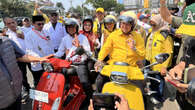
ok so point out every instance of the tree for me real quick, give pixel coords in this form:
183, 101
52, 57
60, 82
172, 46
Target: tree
108, 5
79, 10
15, 8
60, 7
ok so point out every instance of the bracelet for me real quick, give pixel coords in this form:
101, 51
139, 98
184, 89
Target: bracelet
163, 5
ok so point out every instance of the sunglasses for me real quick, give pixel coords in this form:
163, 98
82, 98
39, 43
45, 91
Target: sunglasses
39, 24
54, 15
152, 24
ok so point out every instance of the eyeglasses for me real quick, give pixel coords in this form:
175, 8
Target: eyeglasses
87, 24
26, 21
39, 24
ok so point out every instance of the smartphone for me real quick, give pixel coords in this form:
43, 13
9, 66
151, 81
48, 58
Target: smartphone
173, 83
105, 100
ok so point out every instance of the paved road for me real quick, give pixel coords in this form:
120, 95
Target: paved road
168, 105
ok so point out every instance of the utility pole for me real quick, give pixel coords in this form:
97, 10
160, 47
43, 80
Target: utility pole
71, 3
71, 6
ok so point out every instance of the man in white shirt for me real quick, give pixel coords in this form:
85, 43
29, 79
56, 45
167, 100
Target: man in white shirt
55, 30
26, 25
15, 34
38, 44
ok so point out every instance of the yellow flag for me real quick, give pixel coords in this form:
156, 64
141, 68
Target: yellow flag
146, 3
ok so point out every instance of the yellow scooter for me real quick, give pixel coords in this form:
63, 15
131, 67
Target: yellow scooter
121, 75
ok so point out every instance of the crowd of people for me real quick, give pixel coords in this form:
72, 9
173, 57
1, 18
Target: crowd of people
134, 38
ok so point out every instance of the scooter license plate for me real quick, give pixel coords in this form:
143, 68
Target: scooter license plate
39, 95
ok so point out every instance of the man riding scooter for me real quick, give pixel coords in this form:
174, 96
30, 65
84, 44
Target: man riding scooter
68, 46
123, 45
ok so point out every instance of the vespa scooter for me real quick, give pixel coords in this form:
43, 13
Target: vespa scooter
59, 87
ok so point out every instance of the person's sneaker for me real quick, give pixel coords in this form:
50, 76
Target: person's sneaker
25, 96
25, 99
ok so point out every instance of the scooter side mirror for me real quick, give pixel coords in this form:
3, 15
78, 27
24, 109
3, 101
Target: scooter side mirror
162, 57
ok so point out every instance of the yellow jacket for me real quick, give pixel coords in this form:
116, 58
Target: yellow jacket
106, 33
159, 44
95, 26
116, 46
44, 16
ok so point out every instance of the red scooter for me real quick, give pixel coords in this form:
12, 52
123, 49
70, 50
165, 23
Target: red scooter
59, 87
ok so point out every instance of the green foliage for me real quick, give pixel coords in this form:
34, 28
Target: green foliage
108, 5
59, 5
15, 8
180, 3
80, 10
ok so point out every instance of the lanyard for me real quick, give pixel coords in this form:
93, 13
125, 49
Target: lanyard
42, 37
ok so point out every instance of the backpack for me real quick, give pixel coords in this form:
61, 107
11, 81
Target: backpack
10, 74
189, 51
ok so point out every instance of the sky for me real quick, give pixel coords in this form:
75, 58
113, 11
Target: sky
66, 3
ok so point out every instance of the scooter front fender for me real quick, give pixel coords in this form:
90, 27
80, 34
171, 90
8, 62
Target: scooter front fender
131, 92
53, 84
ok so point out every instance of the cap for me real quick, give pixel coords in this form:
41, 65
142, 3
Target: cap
100, 10
188, 25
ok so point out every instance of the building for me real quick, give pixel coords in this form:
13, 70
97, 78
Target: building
138, 4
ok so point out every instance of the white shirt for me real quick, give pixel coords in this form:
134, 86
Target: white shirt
13, 36
55, 35
25, 30
38, 47
144, 25
66, 44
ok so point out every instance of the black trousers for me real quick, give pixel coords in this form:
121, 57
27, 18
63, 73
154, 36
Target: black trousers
100, 81
23, 69
92, 74
37, 75
15, 106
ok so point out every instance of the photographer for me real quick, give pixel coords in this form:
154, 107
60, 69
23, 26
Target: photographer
122, 105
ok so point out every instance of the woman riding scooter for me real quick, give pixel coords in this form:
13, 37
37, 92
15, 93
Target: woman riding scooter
69, 44
93, 41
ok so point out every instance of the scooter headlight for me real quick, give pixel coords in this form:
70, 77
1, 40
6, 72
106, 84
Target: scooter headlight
56, 104
119, 77
48, 67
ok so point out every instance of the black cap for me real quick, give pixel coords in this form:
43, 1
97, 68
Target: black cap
37, 18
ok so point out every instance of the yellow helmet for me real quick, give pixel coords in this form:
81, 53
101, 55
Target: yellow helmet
131, 14
110, 19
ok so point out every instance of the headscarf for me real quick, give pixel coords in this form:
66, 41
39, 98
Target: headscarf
160, 23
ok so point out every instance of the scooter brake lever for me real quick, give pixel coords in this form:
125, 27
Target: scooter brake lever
153, 79
151, 92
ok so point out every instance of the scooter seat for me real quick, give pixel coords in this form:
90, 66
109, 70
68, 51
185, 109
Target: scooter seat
70, 71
